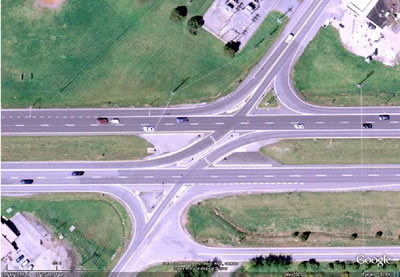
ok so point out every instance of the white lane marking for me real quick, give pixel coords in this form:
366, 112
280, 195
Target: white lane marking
94, 124
294, 122
194, 123
269, 123
49, 116
19, 125
41, 116
96, 177
148, 177
19, 116
320, 175
122, 177
13, 177
44, 125
373, 175
169, 124
394, 122
41, 177
88, 116
144, 124
70, 125
80, 116
64, 116
344, 122
347, 175
177, 176
56, 116
269, 176
242, 176
244, 123
213, 139
219, 123
397, 175
295, 175
121, 125
319, 122
72, 116
70, 177
214, 176
3, 116
206, 160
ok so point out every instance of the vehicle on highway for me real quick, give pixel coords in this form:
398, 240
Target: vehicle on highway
78, 173
102, 120
26, 181
182, 119
25, 263
367, 125
31, 267
384, 117
289, 38
19, 258
114, 121
148, 129
299, 126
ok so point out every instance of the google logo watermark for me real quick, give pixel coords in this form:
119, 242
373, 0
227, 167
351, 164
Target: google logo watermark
378, 261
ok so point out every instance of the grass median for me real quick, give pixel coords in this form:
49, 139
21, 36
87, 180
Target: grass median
334, 151
129, 53
327, 74
99, 242
68, 148
284, 219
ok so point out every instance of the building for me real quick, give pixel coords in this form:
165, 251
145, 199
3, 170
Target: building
9, 233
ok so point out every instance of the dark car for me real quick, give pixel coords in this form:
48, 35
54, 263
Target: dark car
78, 173
182, 119
19, 258
384, 117
102, 120
26, 181
367, 125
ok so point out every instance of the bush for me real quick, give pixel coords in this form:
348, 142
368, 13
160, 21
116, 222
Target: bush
379, 234
195, 23
305, 235
353, 236
179, 13
295, 234
232, 47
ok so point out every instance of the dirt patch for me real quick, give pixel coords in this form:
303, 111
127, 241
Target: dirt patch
50, 4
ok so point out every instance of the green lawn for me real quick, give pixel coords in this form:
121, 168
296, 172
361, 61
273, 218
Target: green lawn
269, 101
270, 219
64, 148
87, 212
335, 151
327, 74
117, 53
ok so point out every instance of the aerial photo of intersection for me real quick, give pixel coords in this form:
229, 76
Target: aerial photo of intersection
200, 137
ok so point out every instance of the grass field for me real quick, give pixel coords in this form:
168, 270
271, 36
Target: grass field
335, 151
326, 74
269, 101
87, 212
124, 53
89, 148
270, 219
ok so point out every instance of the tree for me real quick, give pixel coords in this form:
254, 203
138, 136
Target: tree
179, 13
195, 23
305, 235
232, 47
379, 234
353, 236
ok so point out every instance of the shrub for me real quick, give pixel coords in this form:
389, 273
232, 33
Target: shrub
232, 47
305, 235
379, 234
295, 234
195, 23
353, 236
179, 13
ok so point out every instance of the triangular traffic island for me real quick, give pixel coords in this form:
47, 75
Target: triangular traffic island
269, 101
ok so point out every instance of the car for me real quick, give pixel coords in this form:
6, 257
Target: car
289, 38
341, 25
19, 258
114, 121
326, 23
229, 7
148, 129
102, 120
31, 267
182, 119
78, 173
384, 117
299, 126
25, 263
26, 181
367, 125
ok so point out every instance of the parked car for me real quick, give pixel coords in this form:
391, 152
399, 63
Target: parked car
299, 126
102, 120
367, 125
31, 267
182, 119
289, 38
19, 258
384, 117
114, 121
78, 173
326, 23
26, 181
148, 129
25, 263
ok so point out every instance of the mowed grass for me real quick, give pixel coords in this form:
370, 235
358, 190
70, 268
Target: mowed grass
96, 240
327, 74
270, 219
334, 151
268, 101
124, 53
90, 148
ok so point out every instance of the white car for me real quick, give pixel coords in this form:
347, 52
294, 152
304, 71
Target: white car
289, 38
148, 129
114, 121
299, 126
326, 23
24, 264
